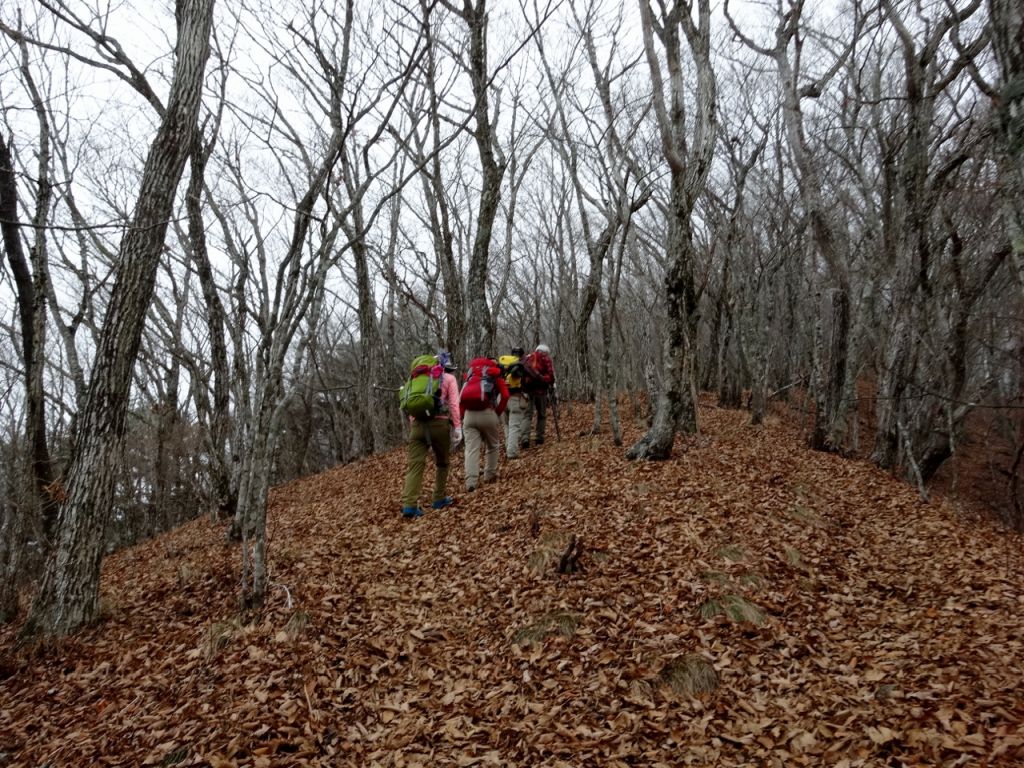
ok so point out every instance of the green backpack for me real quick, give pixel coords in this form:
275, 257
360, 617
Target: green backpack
420, 396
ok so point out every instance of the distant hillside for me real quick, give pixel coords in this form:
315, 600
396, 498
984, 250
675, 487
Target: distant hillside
749, 602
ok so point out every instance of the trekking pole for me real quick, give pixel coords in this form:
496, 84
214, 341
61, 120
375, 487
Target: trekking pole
554, 412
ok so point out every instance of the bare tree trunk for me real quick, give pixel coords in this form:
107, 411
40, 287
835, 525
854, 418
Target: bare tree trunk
891, 386
31, 285
368, 344
366, 310
914, 179
609, 307
1008, 44
480, 329
12, 553
439, 210
167, 467
252, 501
830, 410
387, 421
689, 160
829, 431
727, 359
676, 410
219, 427
69, 594
597, 251
830, 413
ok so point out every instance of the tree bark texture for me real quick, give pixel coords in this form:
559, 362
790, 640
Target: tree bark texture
1008, 43
830, 410
829, 430
480, 329
31, 288
440, 215
914, 184
219, 428
689, 160
69, 594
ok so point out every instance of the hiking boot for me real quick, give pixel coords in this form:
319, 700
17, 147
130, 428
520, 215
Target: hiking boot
447, 501
411, 512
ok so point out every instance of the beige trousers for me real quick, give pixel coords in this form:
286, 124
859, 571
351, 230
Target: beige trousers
518, 424
480, 429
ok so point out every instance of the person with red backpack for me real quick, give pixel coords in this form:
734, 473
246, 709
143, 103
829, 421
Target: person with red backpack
482, 400
437, 428
540, 378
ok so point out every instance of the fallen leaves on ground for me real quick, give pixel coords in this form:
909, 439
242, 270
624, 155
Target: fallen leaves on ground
748, 602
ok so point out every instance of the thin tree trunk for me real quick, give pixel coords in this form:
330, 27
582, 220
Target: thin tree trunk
219, 427
439, 211
31, 287
480, 323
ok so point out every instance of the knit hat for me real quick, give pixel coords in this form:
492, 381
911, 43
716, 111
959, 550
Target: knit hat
543, 348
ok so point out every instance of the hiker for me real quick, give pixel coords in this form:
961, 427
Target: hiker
540, 378
518, 429
482, 400
431, 400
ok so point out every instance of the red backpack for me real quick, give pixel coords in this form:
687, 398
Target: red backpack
479, 390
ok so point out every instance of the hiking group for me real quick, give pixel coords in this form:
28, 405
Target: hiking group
440, 413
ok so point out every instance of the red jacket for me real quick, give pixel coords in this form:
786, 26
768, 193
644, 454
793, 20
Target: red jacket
501, 401
540, 369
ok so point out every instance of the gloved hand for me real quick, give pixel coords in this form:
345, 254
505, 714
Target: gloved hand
456, 437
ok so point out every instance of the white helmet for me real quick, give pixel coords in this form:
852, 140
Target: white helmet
543, 348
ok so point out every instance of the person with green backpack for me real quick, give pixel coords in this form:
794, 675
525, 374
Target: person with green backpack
430, 398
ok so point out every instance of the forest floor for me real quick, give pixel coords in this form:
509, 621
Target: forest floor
748, 602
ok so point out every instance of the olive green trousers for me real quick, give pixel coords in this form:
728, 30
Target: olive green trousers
434, 435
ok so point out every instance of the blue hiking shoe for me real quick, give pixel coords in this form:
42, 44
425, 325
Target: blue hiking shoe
447, 501
412, 512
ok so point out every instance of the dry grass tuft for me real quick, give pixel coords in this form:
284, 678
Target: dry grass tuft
690, 675
794, 558
550, 547
109, 608
717, 578
218, 636
752, 579
296, 625
186, 575
805, 514
176, 756
732, 553
557, 623
736, 608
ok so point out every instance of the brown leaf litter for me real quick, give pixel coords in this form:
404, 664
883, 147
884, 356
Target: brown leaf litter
748, 602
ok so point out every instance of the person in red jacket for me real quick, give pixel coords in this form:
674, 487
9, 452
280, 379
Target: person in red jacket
482, 401
540, 372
